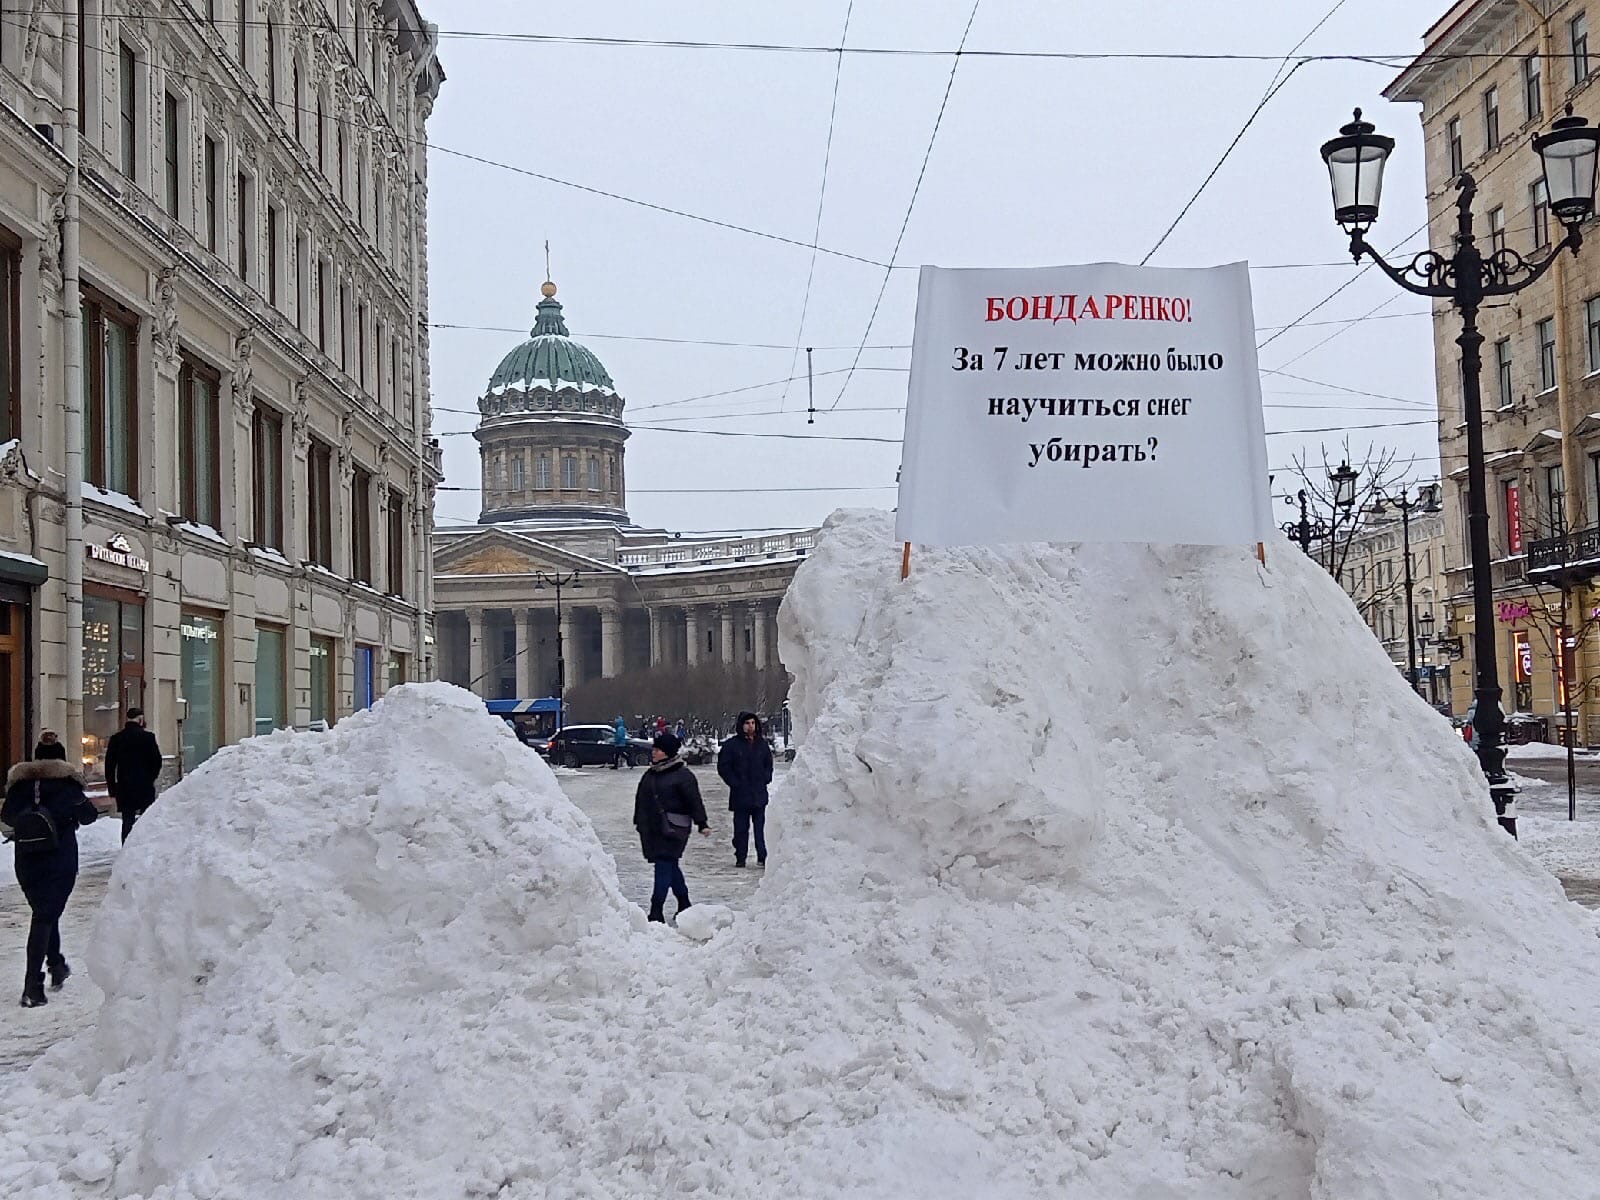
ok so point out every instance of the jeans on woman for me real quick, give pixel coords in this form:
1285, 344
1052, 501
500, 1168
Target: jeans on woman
669, 877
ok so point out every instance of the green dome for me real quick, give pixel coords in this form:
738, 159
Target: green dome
550, 359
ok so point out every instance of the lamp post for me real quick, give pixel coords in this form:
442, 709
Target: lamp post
1424, 640
1355, 161
1427, 501
556, 580
1305, 529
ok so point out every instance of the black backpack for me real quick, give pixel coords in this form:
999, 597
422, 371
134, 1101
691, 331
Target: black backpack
34, 829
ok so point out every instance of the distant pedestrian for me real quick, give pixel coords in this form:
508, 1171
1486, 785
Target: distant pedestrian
661, 726
50, 746
665, 807
619, 745
133, 764
680, 730
44, 805
745, 765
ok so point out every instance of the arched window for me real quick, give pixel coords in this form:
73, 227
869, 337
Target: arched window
541, 473
594, 474
569, 472
519, 479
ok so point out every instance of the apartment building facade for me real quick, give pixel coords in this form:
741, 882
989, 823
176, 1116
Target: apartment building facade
216, 462
1492, 74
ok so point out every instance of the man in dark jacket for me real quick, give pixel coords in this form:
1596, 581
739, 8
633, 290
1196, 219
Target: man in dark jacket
133, 764
45, 872
668, 787
745, 765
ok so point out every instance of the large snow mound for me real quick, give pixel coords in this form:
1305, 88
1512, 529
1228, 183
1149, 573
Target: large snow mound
1103, 871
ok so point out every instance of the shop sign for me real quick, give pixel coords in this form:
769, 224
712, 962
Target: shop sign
1511, 610
203, 633
118, 551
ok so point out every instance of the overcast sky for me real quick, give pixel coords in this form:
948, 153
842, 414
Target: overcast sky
1037, 162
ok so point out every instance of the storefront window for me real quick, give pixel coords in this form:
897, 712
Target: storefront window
322, 680
201, 641
272, 698
396, 670
365, 656
113, 671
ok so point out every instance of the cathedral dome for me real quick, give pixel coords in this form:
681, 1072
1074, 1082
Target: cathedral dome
550, 359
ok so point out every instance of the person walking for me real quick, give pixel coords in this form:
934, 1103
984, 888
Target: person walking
665, 806
745, 765
44, 805
133, 764
619, 744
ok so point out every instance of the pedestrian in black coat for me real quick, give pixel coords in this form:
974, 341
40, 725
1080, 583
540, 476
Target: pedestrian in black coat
46, 876
745, 765
668, 787
133, 764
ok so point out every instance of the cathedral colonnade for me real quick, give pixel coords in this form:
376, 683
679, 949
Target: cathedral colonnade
509, 650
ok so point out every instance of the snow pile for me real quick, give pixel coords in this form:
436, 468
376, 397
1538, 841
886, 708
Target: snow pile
1103, 871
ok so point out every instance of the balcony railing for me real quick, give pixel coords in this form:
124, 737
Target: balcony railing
1571, 558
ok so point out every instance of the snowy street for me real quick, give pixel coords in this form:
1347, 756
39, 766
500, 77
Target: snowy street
605, 796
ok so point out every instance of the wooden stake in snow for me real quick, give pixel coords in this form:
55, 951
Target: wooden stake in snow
905, 561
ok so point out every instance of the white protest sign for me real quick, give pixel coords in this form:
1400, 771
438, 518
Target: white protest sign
1100, 403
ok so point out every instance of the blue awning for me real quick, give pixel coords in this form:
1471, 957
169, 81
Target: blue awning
506, 708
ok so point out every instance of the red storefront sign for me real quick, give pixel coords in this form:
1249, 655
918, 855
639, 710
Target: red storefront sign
1513, 517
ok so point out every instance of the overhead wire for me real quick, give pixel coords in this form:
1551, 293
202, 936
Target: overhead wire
916, 190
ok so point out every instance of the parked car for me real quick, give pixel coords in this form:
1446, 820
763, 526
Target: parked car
591, 746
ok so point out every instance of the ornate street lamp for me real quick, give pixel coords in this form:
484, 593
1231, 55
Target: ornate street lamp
1425, 623
1355, 160
1307, 528
1427, 502
557, 580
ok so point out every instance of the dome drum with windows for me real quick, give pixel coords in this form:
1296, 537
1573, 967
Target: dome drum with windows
551, 435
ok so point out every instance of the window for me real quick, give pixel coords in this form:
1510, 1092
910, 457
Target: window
340, 164
241, 218
127, 110
10, 338
1591, 321
266, 446
1578, 32
110, 415
519, 475
397, 543
1539, 203
344, 326
594, 474
272, 255
361, 344
272, 63
212, 182
199, 452
361, 525
1502, 372
113, 665
1491, 119
322, 678
1545, 330
200, 644
396, 669
83, 67
379, 340
319, 505
322, 305
1555, 498
240, 16
1532, 95
272, 697
1497, 229
322, 149
1452, 137
173, 158
569, 472
365, 663
299, 115
541, 473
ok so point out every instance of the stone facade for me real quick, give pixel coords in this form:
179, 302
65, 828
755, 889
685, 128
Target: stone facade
1373, 575
258, 468
1491, 76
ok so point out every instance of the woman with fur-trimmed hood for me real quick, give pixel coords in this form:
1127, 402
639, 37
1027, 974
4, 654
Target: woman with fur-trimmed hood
46, 855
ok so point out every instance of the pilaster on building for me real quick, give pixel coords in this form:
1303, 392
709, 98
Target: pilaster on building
1491, 75
259, 465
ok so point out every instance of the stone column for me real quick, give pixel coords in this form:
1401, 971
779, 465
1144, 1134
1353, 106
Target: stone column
520, 617
610, 641
475, 666
569, 646
691, 629
656, 647
727, 635
758, 616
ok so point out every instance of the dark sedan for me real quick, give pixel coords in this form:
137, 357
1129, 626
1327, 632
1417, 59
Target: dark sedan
592, 746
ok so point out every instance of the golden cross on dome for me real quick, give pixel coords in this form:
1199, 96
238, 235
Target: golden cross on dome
549, 288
